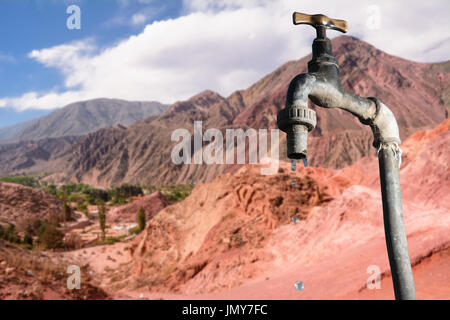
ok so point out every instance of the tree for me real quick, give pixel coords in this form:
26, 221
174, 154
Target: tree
102, 217
67, 210
82, 207
50, 237
141, 219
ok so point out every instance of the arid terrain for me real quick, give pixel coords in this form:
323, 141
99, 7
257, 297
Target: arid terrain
226, 231
418, 94
247, 245
235, 237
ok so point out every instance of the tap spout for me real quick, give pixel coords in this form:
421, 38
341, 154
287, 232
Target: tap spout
322, 85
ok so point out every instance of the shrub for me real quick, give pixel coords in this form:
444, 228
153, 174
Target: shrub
67, 211
9, 233
141, 219
111, 240
134, 230
28, 239
82, 207
77, 197
50, 189
175, 193
50, 237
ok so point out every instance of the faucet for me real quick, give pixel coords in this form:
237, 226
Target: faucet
322, 85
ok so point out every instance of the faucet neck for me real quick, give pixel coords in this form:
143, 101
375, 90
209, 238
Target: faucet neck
322, 53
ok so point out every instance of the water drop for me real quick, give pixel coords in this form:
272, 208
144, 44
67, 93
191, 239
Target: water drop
293, 164
305, 162
294, 219
294, 183
299, 285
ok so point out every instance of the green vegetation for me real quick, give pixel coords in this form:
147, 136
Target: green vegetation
28, 239
49, 237
80, 193
141, 219
119, 195
47, 234
51, 189
9, 233
23, 180
67, 211
111, 240
82, 207
102, 218
176, 192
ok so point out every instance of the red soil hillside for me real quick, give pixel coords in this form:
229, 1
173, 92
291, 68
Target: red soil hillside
417, 93
153, 203
18, 202
29, 275
234, 238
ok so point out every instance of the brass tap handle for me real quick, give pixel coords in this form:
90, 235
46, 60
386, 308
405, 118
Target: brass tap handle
320, 21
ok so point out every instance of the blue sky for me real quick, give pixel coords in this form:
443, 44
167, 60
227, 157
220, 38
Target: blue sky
170, 50
32, 24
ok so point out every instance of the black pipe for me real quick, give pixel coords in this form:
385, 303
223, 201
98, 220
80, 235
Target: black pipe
396, 243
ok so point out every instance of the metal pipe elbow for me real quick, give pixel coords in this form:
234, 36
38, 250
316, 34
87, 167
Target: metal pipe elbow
327, 92
384, 125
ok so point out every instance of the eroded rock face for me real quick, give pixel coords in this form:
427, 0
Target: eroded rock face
225, 224
152, 203
338, 141
234, 237
416, 92
18, 203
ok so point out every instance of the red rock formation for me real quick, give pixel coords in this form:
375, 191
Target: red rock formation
152, 204
233, 237
416, 92
19, 203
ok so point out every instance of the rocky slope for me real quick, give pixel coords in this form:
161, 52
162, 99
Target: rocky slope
412, 90
28, 275
18, 203
235, 238
418, 94
10, 131
83, 117
153, 203
42, 156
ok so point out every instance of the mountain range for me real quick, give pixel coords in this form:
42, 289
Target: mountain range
417, 93
81, 118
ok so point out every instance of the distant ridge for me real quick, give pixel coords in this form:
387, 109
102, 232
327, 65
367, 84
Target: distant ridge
12, 130
84, 117
417, 93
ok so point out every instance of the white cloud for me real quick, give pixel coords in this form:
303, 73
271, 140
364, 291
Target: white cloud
138, 18
228, 45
